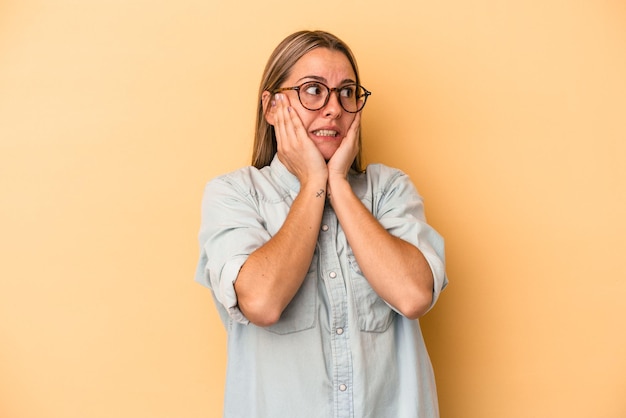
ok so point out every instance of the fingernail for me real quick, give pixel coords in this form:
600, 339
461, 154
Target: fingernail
289, 109
273, 103
279, 96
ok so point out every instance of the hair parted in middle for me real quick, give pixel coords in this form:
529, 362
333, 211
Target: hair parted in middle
277, 70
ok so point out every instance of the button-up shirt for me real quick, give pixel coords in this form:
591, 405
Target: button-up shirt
338, 349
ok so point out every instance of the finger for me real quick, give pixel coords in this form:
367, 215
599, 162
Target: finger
353, 131
344, 156
296, 124
286, 113
280, 128
285, 124
351, 139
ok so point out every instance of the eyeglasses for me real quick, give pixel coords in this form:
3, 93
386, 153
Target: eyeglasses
314, 95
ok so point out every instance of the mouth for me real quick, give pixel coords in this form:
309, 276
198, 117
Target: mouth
326, 133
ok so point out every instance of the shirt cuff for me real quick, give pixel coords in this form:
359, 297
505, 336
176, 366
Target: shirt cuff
227, 295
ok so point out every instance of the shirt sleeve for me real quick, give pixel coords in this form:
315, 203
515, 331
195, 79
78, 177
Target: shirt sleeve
400, 210
231, 229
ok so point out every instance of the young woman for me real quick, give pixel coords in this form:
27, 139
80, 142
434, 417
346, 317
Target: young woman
320, 269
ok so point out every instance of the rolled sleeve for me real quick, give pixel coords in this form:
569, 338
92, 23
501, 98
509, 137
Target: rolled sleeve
400, 210
224, 288
231, 229
431, 244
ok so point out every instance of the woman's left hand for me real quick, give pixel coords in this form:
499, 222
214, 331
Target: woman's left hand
341, 161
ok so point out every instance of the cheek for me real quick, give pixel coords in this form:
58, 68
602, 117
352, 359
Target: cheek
348, 118
306, 116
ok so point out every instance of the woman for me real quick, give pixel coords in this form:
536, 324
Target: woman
319, 269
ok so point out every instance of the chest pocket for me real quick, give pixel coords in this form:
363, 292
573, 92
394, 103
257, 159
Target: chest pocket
374, 315
299, 315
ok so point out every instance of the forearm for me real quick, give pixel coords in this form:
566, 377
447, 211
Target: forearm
397, 270
273, 273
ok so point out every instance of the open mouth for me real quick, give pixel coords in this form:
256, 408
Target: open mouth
326, 133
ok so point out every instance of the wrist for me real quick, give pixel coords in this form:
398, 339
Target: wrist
314, 187
337, 180
315, 180
338, 186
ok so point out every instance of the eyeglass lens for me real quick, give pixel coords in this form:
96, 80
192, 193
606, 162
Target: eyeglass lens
314, 96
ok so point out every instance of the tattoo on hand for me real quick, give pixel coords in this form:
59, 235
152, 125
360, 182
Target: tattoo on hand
320, 193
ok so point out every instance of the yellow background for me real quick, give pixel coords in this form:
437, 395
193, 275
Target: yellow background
510, 116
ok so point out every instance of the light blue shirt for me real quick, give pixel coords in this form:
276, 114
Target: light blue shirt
338, 349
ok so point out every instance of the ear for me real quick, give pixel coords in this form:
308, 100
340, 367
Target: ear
268, 109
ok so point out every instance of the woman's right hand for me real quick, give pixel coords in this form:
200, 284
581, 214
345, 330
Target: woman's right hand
295, 149
274, 272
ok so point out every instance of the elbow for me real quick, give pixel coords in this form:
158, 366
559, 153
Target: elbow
417, 305
263, 319
258, 307
259, 313
417, 293
419, 299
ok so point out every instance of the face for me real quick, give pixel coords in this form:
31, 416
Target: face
328, 126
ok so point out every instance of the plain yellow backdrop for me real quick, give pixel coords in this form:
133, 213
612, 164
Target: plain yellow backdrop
509, 116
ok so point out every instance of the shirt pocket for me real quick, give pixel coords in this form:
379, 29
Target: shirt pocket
299, 315
374, 314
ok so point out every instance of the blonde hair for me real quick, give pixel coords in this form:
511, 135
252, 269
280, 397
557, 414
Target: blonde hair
277, 70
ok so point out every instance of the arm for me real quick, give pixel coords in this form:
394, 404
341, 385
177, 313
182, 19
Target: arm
397, 270
272, 274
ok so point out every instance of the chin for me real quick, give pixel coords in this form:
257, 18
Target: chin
328, 151
328, 155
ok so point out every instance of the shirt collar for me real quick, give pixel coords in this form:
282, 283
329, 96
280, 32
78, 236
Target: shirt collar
284, 176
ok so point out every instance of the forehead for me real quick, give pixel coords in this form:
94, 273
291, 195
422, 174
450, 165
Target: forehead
331, 65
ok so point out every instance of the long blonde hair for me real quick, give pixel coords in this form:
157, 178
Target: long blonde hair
277, 70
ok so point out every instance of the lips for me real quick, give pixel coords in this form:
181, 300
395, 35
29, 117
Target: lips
325, 132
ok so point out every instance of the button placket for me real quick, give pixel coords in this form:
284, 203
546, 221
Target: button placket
333, 280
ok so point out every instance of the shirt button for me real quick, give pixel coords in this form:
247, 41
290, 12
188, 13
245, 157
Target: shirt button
332, 274
339, 331
324, 228
342, 387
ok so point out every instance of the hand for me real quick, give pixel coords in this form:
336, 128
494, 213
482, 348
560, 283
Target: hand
295, 149
341, 161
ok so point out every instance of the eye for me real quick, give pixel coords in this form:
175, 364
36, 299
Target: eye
313, 89
348, 92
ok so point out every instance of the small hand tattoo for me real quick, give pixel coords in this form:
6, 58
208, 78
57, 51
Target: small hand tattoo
320, 193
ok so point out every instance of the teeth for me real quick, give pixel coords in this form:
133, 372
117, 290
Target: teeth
325, 132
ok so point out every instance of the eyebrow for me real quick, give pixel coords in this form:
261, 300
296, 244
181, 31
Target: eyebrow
323, 80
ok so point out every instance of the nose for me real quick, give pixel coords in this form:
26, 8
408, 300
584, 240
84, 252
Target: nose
333, 108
